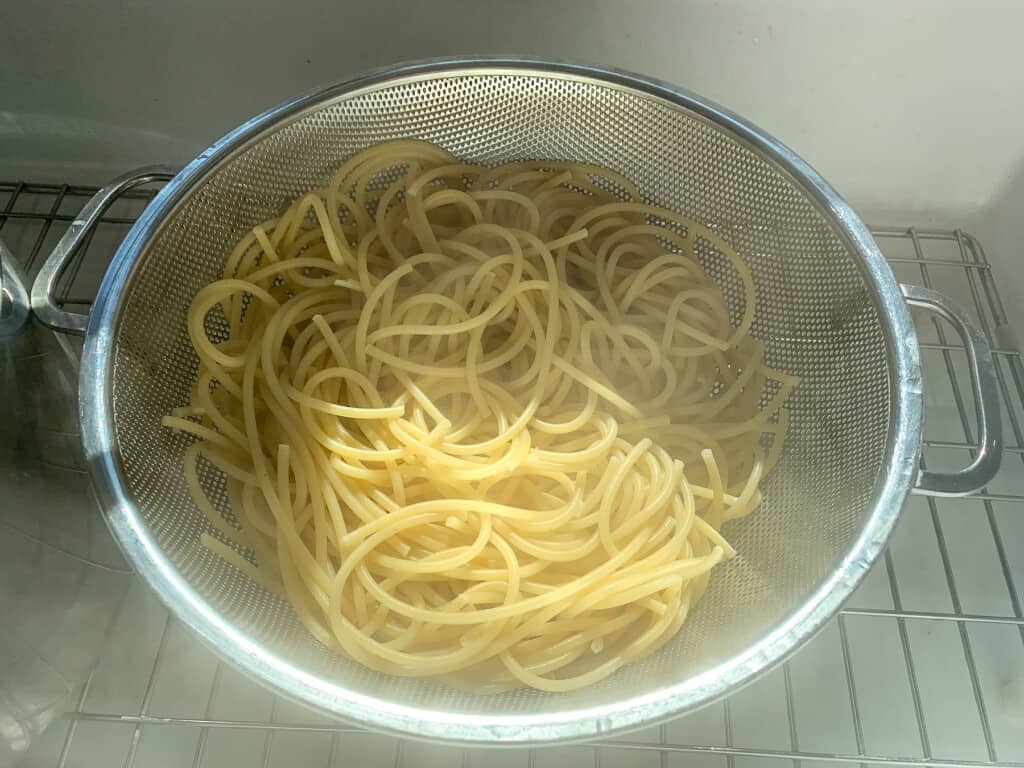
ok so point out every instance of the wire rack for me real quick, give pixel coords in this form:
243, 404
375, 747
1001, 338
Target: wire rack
924, 666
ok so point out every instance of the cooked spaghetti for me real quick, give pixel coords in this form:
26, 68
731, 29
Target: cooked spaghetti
482, 423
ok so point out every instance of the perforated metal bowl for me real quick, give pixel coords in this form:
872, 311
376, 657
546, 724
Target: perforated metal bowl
829, 311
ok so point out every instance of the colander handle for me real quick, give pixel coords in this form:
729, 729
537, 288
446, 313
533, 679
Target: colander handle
989, 448
44, 303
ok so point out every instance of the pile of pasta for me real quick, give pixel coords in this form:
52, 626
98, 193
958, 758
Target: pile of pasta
482, 423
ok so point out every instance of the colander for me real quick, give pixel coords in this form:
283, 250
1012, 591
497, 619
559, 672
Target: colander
828, 310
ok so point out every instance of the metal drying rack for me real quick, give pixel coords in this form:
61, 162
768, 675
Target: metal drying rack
925, 666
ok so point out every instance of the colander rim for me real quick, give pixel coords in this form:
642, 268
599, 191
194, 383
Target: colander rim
127, 524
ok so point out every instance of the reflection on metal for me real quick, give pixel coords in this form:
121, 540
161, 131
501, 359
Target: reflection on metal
61, 577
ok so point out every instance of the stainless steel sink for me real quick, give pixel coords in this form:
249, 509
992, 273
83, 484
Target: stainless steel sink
925, 666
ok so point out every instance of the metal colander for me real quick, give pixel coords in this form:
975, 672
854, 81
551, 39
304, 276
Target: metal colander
828, 311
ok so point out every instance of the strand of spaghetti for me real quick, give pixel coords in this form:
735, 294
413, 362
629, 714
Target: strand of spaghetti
231, 556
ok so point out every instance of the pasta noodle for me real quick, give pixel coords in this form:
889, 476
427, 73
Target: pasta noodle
483, 423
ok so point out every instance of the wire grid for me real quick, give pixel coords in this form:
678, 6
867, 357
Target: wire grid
924, 666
